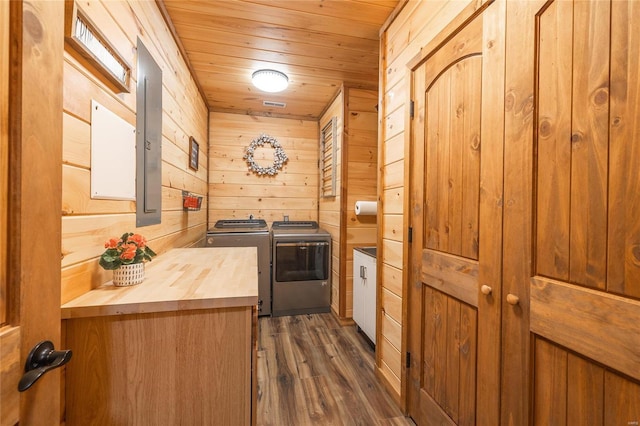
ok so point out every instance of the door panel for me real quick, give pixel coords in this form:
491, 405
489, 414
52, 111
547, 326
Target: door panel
453, 159
573, 142
572, 390
573, 156
449, 356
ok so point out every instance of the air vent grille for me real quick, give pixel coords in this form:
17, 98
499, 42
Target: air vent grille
274, 104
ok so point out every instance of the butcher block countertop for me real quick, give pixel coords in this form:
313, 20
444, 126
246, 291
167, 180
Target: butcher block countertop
179, 280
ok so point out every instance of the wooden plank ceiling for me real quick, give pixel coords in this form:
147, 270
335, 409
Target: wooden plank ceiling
319, 44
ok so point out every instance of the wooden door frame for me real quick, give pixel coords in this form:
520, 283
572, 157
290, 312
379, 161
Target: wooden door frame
35, 192
491, 204
519, 124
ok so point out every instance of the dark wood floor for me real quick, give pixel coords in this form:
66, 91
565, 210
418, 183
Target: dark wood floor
312, 371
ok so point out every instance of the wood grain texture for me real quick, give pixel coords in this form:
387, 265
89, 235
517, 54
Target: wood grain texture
599, 326
359, 180
236, 192
111, 380
449, 376
585, 399
10, 373
356, 167
393, 178
443, 285
519, 124
87, 222
84, 235
35, 181
576, 185
589, 144
621, 401
553, 210
391, 330
550, 385
415, 26
452, 369
181, 279
453, 146
313, 371
458, 172
491, 213
570, 389
390, 353
623, 266
419, 29
320, 45
432, 413
455, 276
391, 305
329, 214
4, 157
84, 277
393, 149
467, 341
432, 207
416, 378
468, 113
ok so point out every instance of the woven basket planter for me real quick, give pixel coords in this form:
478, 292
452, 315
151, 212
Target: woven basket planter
127, 275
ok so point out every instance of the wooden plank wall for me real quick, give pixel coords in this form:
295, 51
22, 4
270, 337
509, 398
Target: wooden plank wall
414, 27
237, 192
361, 142
87, 223
329, 208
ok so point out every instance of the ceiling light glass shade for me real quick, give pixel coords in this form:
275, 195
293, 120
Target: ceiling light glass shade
271, 81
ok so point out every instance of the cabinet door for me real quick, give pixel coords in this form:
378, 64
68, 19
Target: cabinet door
358, 288
369, 283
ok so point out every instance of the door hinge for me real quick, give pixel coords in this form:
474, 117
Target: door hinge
408, 360
410, 235
411, 107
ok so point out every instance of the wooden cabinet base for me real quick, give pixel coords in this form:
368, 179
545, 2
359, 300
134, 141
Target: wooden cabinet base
188, 367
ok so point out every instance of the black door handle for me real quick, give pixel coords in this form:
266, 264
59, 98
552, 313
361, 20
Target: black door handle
41, 359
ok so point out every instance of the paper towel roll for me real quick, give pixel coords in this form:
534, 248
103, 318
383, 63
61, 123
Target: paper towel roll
366, 208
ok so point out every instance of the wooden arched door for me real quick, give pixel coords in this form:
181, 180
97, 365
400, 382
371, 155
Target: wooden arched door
453, 326
572, 212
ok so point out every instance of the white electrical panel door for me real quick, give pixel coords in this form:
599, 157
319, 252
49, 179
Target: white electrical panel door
113, 155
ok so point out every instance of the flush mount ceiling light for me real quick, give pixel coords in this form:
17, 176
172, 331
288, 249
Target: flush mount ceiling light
271, 81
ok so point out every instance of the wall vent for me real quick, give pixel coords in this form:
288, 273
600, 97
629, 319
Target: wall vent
274, 104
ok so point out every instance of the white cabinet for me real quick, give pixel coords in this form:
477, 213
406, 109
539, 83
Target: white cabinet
364, 293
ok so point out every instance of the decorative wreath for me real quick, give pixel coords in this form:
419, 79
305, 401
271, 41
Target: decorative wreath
279, 156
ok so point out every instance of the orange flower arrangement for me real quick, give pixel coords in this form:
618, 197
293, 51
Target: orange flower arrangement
130, 248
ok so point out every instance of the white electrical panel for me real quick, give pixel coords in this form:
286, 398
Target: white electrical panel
113, 155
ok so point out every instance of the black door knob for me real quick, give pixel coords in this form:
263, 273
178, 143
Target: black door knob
41, 359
